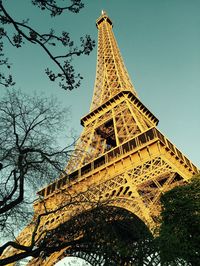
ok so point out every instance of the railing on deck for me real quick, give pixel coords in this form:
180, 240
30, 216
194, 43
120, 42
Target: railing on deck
135, 143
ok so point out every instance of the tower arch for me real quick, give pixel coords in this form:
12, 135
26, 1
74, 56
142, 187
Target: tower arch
105, 231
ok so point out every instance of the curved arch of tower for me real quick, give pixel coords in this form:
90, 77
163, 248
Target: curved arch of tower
99, 229
121, 160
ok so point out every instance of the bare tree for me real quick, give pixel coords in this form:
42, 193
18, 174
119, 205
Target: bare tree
30, 155
17, 33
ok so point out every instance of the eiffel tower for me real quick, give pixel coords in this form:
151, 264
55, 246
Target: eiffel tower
121, 155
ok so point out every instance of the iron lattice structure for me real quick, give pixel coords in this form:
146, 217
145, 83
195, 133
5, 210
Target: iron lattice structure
121, 158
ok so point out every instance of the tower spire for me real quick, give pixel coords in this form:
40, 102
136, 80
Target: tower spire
111, 74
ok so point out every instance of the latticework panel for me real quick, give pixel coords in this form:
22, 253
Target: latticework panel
137, 190
130, 184
111, 74
108, 130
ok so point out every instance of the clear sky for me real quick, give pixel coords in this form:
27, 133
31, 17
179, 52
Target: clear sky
160, 43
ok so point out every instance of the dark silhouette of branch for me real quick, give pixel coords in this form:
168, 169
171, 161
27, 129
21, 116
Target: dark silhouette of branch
5, 81
28, 150
66, 75
57, 10
35, 249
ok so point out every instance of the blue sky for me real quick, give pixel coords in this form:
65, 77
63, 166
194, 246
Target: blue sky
159, 41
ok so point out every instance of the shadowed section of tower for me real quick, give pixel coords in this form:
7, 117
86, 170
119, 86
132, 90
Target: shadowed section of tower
111, 73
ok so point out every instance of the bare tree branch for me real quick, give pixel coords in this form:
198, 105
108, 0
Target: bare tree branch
24, 32
29, 153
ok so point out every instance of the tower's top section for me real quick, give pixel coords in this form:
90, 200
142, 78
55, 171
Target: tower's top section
111, 74
103, 17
